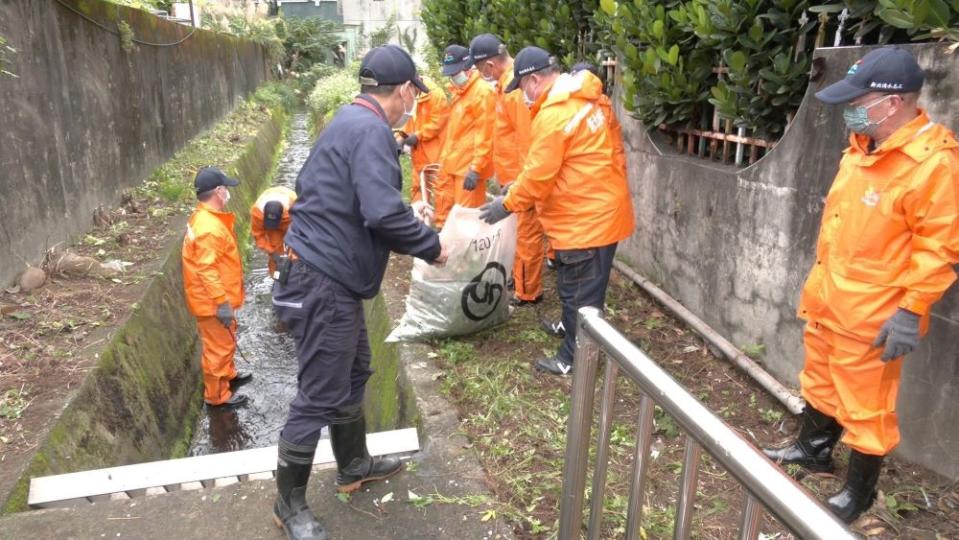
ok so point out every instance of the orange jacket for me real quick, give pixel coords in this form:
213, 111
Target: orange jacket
890, 231
569, 174
212, 271
615, 133
271, 241
511, 136
469, 132
432, 112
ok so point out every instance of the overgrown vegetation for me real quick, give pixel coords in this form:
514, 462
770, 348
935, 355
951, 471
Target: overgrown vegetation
331, 92
566, 29
748, 59
383, 34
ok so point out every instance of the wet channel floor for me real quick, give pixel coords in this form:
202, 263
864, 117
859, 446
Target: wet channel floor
264, 348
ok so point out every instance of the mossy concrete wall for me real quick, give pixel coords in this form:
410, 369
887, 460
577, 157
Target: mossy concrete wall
91, 113
141, 401
390, 402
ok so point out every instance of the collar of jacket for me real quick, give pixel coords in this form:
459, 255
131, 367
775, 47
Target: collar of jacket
227, 218
901, 140
376, 105
505, 79
461, 90
541, 100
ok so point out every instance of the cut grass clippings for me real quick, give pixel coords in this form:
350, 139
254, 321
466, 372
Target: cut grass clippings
516, 421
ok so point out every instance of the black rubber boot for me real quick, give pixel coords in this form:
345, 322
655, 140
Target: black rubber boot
290, 511
860, 490
354, 465
813, 447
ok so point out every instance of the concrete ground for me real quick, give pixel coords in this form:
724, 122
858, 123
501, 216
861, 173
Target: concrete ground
455, 501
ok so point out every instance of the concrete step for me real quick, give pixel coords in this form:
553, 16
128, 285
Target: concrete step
191, 473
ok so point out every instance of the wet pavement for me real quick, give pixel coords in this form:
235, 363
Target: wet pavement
264, 348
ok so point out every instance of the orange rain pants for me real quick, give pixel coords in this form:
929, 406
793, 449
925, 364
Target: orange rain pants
216, 359
846, 379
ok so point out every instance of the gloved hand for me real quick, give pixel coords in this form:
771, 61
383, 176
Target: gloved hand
494, 211
411, 140
505, 189
900, 334
224, 313
472, 178
422, 211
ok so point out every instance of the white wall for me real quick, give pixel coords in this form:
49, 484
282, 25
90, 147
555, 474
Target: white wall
372, 14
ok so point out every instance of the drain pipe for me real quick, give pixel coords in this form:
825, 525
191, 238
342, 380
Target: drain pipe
790, 400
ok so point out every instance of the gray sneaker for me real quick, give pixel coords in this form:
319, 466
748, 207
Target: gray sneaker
555, 366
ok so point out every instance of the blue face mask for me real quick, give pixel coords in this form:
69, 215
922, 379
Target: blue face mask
460, 78
857, 118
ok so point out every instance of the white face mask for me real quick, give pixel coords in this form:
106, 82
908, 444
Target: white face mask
226, 195
527, 99
407, 113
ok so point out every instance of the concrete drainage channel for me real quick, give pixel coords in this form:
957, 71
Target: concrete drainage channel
228, 452
250, 433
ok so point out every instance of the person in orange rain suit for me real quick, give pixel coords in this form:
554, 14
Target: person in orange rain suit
615, 131
213, 285
569, 175
887, 245
468, 149
270, 218
511, 139
425, 133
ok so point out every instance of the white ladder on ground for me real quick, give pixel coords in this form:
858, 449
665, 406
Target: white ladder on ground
198, 472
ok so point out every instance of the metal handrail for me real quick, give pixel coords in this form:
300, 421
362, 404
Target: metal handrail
766, 485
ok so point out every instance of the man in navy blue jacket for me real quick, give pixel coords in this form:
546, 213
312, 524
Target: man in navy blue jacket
348, 216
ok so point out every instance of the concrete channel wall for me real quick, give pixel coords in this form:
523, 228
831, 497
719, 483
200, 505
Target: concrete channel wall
735, 246
141, 401
91, 113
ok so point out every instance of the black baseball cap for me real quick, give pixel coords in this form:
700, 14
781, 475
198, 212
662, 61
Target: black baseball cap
529, 60
272, 215
388, 65
584, 66
209, 178
485, 46
886, 69
456, 58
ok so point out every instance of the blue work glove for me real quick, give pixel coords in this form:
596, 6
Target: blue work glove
411, 140
494, 211
900, 334
224, 313
472, 178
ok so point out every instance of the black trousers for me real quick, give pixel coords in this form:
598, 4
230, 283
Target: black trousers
582, 279
332, 350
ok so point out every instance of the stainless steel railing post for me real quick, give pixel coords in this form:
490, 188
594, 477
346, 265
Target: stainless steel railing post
687, 493
585, 366
602, 450
752, 517
637, 484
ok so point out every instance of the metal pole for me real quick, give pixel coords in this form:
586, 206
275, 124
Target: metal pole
752, 514
791, 401
782, 496
192, 16
637, 485
602, 450
586, 363
687, 493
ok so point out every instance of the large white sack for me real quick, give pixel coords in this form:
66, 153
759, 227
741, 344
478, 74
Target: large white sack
469, 293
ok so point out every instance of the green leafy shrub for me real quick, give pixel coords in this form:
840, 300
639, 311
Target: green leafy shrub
332, 92
275, 95
563, 28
